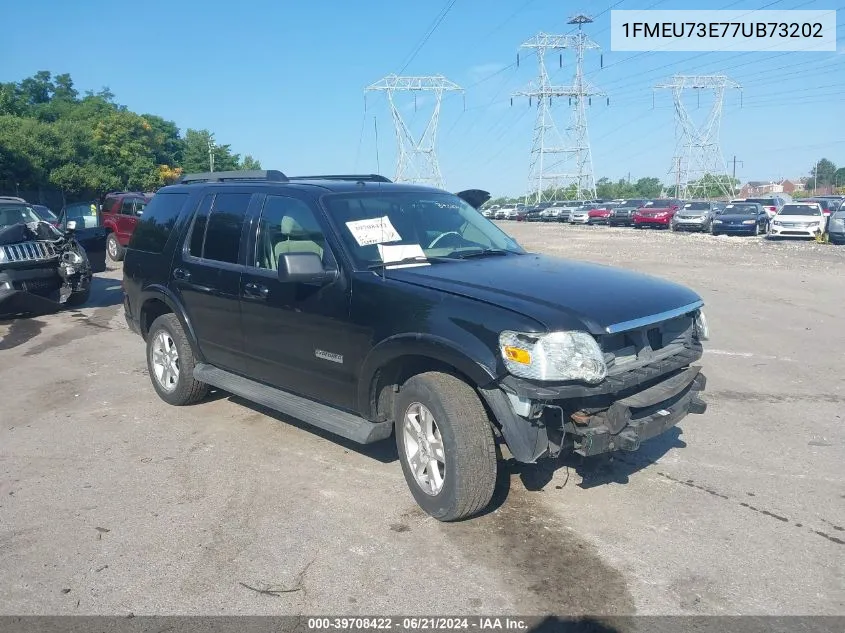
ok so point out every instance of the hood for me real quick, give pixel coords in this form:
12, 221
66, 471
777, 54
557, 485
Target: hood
559, 293
799, 218
474, 197
654, 210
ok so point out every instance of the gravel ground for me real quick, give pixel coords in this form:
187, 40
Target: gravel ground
112, 502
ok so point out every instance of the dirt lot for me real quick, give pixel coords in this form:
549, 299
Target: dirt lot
113, 502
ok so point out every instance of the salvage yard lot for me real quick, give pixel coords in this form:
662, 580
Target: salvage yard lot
112, 502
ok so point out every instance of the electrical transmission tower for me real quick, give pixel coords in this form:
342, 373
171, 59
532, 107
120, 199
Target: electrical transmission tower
699, 166
559, 161
416, 160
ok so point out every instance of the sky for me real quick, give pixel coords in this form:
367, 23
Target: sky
284, 81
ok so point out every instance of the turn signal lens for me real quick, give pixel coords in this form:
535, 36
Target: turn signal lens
517, 355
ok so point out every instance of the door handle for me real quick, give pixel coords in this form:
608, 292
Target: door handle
256, 291
184, 275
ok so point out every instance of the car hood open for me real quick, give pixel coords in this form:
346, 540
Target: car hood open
559, 293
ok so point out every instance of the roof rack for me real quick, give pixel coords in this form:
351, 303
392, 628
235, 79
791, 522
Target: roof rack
351, 177
269, 175
12, 199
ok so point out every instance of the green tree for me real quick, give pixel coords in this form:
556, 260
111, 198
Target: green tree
822, 173
249, 163
648, 187
195, 153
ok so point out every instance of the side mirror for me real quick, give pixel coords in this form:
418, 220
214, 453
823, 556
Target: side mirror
304, 268
70, 226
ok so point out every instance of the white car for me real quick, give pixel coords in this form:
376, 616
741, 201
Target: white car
580, 215
798, 219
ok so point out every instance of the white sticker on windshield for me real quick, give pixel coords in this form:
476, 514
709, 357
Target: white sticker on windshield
373, 231
392, 254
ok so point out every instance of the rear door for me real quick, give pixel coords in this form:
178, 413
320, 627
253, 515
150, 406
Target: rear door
206, 275
127, 219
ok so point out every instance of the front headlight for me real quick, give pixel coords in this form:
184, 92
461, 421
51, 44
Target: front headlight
776, 222
702, 330
749, 221
553, 356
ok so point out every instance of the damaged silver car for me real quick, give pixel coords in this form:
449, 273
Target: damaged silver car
42, 267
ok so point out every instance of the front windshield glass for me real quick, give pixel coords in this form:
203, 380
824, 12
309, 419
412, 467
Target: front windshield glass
799, 209
740, 208
697, 206
11, 214
389, 226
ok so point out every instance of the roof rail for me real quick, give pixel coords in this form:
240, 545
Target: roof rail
351, 177
269, 175
12, 199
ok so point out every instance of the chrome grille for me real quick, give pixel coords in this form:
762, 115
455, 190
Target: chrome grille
631, 349
28, 252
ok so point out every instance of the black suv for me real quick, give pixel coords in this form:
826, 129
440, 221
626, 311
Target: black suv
359, 305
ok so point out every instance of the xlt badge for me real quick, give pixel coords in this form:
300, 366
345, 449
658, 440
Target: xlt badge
335, 358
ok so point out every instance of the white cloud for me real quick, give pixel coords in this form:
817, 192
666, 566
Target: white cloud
483, 70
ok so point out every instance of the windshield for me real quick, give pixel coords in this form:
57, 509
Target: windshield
11, 214
384, 227
799, 209
44, 213
697, 206
747, 209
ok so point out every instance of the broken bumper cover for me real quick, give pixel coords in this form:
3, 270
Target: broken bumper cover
14, 302
642, 416
619, 414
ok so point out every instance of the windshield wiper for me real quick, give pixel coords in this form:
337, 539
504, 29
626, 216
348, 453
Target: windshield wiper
484, 252
408, 260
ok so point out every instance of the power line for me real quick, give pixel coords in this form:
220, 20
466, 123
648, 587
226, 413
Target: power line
440, 17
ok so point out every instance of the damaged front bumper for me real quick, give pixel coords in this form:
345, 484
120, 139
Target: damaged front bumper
539, 420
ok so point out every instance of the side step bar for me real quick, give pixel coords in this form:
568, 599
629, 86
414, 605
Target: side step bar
341, 423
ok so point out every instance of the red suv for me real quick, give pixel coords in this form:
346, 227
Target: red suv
656, 213
121, 210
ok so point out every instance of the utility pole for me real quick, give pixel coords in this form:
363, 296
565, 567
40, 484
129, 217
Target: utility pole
416, 160
699, 144
678, 177
816, 177
211, 147
548, 178
735, 161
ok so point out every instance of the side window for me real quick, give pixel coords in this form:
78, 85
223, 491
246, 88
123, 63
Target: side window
223, 231
157, 223
126, 207
108, 203
198, 229
287, 225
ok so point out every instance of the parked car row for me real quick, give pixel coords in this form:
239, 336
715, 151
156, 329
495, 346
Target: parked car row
776, 215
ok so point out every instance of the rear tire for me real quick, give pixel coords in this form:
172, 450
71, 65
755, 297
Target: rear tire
171, 362
114, 249
444, 434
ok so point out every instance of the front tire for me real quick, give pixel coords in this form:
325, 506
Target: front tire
170, 361
445, 444
114, 249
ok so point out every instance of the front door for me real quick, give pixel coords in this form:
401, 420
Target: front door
297, 336
207, 275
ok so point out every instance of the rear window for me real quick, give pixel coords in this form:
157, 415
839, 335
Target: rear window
157, 222
85, 214
769, 202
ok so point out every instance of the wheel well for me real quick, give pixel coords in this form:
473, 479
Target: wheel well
390, 377
150, 311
